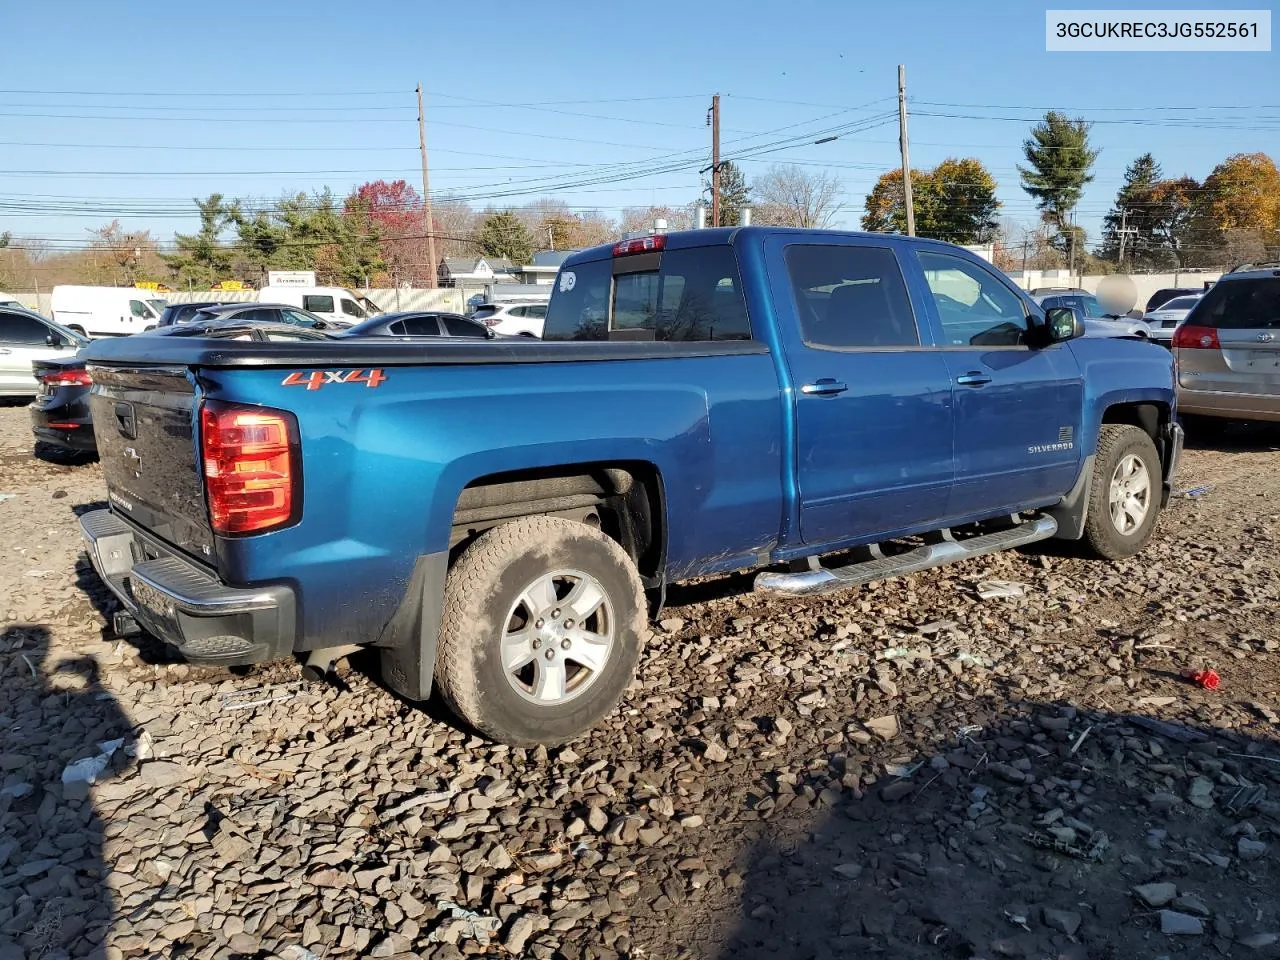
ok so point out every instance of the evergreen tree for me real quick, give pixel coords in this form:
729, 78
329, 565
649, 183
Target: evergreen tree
202, 259
1059, 161
1133, 222
503, 235
734, 194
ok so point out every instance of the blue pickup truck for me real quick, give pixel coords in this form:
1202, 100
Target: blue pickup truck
500, 519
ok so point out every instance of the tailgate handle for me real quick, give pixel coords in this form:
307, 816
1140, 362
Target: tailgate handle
126, 421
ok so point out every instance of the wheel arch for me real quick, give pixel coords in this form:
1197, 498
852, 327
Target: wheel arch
626, 497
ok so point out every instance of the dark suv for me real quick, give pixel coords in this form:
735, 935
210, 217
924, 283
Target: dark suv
183, 312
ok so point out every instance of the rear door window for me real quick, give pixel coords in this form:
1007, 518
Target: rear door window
850, 296
259, 315
421, 326
688, 295
1239, 305
317, 303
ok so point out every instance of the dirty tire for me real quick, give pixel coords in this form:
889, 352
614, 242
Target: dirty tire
482, 587
1117, 442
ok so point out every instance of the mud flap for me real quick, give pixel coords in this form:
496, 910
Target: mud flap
1073, 510
408, 644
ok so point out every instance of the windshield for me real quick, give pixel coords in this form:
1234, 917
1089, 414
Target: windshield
159, 306
485, 310
1092, 308
1181, 303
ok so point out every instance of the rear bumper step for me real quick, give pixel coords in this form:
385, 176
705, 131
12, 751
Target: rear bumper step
826, 580
206, 621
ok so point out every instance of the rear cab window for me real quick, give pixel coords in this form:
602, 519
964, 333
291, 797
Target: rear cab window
682, 295
1246, 304
850, 296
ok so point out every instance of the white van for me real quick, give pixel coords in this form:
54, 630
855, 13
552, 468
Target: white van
328, 303
106, 311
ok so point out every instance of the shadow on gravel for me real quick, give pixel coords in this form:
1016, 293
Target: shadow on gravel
150, 649
1233, 436
1023, 839
54, 899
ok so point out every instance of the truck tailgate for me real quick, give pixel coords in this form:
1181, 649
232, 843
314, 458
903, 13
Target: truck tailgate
144, 422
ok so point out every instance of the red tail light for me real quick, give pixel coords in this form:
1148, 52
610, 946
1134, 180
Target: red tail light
251, 470
67, 378
1196, 338
640, 245
491, 321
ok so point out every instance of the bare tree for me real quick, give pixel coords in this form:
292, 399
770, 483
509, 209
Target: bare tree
127, 253
455, 222
639, 219
789, 196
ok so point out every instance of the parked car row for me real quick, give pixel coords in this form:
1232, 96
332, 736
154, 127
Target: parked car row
1097, 322
122, 311
38, 356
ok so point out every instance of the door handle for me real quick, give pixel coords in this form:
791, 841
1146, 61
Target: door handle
825, 387
974, 378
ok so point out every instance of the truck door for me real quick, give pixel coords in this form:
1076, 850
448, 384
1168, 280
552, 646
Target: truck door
1017, 407
873, 417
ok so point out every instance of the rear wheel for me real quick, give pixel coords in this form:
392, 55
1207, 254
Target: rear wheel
543, 623
1125, 492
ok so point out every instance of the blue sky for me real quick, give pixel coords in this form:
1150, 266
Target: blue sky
160, 103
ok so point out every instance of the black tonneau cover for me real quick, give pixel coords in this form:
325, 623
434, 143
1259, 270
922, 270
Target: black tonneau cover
210, 347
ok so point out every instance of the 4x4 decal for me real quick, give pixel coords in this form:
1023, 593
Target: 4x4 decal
315, 379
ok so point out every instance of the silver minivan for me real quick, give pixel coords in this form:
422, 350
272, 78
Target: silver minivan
1227, 350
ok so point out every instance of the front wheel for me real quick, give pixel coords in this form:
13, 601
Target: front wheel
1125, 492
543, 623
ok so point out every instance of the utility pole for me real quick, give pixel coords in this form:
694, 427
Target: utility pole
715, 160
426, 194
1124, 232
1071, 247
906, 157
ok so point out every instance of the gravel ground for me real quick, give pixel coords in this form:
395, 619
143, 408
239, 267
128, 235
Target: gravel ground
904, 771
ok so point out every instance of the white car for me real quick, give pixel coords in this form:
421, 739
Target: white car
1169, 315
24, 337
513, 319
1097, 322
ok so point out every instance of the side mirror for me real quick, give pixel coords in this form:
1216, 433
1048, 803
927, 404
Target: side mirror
1063, 324
53, 340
